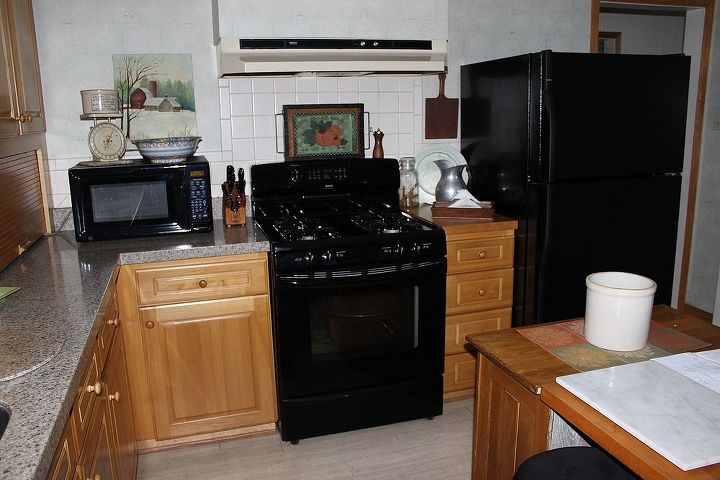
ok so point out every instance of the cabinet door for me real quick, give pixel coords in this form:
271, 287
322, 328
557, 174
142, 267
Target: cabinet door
97, 460
210, 365
118, 395
511, 424
27, 69
9, 126
65, 459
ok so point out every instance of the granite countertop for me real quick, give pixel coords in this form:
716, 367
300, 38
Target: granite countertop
46, 328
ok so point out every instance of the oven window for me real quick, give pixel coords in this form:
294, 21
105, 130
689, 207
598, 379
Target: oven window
122, 202
363, 323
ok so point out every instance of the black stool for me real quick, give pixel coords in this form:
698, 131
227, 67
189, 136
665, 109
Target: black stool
573, 463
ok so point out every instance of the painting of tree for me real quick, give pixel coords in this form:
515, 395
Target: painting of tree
157, 96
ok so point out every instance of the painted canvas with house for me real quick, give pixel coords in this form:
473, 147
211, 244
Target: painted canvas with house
157, 95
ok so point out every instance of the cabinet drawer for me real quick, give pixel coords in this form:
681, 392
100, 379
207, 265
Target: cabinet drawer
457, 326
480, 254
86, 399
202, 281
459, 372
110, 321
467, 292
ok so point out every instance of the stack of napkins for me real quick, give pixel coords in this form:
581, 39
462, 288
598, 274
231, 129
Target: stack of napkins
464, 199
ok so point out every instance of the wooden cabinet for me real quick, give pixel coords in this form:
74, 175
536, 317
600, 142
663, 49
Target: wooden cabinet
511, 424
478, 294
200, 349
21, 105
99, 439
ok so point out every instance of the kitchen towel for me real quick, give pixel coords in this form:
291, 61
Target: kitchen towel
5, 291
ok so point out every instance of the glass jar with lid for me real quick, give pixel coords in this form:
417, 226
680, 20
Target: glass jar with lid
408, 190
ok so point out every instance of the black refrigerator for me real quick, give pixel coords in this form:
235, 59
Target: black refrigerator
586, 151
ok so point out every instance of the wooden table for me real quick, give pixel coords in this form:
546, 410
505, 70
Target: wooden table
516, 391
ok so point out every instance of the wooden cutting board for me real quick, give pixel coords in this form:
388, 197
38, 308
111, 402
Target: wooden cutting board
441, 114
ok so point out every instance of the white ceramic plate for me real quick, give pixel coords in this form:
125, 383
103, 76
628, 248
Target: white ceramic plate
429, 173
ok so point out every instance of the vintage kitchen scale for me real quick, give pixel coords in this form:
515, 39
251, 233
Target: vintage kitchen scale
106, 140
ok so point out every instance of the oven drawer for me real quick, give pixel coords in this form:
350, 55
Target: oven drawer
480, 254
467, 292
458, 326
192, 280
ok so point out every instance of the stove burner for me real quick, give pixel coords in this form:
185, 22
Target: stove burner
386, 223
309, 229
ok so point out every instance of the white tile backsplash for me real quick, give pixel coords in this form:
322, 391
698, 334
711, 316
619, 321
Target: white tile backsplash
395, 105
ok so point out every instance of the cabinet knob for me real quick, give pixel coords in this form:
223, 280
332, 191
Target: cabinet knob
149, 324
22, 118
481, 292
97, 388
202, 283
114, 397
96, 477
482, 254
29, 117
113, 321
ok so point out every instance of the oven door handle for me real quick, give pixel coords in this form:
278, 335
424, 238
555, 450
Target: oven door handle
376, 274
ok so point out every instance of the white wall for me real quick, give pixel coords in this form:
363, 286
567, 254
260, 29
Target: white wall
76, 41
235, 118
646, 34
705, 252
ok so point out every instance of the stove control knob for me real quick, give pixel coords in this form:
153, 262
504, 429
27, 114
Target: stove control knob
309, 259
414, 249
398, 250
327, 257
294, 175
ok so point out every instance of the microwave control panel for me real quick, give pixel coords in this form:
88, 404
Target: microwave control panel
199, 195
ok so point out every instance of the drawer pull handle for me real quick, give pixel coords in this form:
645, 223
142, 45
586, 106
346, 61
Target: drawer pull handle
202, 283
149, 324
481, 292
114, 397
482, 254
113, 322
97, 388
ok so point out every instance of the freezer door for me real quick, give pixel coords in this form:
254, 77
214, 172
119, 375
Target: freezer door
607, 116
495, 132
626, 225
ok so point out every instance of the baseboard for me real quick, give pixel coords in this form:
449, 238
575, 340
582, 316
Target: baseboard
145, 446
696, 312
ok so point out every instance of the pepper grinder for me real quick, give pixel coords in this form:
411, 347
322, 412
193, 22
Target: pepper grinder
378, 151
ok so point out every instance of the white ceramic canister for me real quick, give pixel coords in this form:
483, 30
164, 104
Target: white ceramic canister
618, 309
99, 101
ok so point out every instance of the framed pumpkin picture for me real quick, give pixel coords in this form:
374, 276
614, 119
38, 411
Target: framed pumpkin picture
323, 131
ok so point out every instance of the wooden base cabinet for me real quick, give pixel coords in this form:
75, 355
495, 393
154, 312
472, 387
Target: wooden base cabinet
479, 290
511, 424
200, 349
98, 442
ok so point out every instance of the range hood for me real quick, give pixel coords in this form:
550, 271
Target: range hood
338, 56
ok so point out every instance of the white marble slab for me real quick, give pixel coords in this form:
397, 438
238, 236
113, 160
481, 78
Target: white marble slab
673, 415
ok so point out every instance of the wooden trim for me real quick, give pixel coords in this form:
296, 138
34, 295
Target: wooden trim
594, 25
152, 445
709, 6
458, 395
696, 312
44, 190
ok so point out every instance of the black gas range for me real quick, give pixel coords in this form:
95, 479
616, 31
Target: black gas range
358, 296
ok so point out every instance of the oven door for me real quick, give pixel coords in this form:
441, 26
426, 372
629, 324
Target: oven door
341, 330
128, 202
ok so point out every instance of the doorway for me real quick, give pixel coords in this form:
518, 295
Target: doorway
697, 33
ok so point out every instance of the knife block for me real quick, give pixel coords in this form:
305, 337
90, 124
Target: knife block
233, 205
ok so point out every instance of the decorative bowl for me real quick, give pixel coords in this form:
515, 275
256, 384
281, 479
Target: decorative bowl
171, 149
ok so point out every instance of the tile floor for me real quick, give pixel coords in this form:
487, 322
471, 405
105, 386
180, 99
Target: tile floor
438, 449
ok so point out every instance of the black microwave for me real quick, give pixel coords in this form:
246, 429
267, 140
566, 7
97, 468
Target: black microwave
141, 199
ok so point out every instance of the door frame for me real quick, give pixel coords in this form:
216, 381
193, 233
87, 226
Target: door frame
709, 6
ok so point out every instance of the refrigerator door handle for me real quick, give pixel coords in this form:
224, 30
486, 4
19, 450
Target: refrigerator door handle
549, 109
